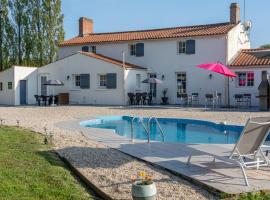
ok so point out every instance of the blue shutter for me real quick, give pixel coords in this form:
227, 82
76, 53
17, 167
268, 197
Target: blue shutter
111, 80
85, 48
84, 81
190, 45
140, 49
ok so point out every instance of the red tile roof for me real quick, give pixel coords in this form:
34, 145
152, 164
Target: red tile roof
176, 32
252, 57
111, 60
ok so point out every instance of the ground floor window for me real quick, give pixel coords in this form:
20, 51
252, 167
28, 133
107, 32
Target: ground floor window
102, 80
181, 81
245, 79
1, 86
10, 85
43, 80
76, 81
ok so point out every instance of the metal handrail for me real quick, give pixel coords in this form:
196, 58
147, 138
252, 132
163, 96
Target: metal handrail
149, 129
140, 120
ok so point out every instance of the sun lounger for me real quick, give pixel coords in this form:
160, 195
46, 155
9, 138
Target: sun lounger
247, 152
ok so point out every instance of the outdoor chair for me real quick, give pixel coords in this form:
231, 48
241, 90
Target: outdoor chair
44, 99
138, 98
239, 99
131, 98
37, 99
209, 100
247, 152
247, 99
144, 96
184, 99
195, 99
149, 98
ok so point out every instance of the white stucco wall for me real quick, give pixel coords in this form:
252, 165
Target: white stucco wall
30, 75
80, 64
253, 90
7, 97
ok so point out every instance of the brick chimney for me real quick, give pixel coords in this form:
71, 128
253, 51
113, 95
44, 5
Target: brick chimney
235, 13
85, 26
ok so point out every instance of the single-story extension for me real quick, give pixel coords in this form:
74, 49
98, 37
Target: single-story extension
88, 78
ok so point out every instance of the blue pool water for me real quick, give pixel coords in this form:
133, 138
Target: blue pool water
175, 130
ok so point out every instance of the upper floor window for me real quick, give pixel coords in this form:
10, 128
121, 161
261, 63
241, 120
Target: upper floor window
136, 49
245, 79
182, 47
85, 48
186, 47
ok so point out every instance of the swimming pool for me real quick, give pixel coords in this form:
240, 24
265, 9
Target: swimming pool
175, 130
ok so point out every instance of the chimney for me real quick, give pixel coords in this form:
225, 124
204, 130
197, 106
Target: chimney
235, 13
85, 26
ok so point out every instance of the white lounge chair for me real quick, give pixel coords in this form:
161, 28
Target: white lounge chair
247, 152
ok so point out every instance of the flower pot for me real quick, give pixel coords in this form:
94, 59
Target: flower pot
144, 192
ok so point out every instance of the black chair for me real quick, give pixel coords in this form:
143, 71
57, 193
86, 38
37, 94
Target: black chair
50, 101
195, 99
131, 98
209, 100
37, 99
150, 98
247, 99
239, 99
44, 99
56, 99
138, 98
144, 96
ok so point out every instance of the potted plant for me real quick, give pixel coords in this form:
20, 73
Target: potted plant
164, 98
143, 187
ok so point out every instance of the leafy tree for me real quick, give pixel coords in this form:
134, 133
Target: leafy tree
266, 46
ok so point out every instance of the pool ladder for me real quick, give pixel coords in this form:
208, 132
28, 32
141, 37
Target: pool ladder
146, 128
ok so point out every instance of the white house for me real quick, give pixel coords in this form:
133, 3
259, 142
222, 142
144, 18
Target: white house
170, 54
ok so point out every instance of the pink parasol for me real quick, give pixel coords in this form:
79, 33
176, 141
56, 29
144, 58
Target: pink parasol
218, 68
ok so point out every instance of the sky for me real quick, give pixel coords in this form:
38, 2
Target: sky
126, 15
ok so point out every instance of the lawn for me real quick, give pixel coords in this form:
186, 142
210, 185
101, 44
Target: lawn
30, 170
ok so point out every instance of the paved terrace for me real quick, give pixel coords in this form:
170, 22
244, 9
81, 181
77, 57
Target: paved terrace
219, 176
110, 169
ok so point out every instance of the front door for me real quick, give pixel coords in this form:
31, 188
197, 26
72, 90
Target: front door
181, 81
23, 90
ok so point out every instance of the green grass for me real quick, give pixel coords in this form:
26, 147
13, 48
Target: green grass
30, 170
255, 196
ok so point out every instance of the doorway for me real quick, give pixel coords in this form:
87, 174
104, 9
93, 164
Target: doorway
23, 92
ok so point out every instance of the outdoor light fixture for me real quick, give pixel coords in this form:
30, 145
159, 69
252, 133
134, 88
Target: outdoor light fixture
163, 77
210, 76
68, 77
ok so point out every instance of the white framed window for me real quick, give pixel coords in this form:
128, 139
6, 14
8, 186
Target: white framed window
182, 47
43, 88
10, 85
181, 81
102, 80
245, 79
76, 80
138, 81
132, 49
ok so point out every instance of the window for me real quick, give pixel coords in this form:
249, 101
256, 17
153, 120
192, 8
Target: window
138, 81
182, 47
1, 86
43, 88
93, 49
186, 47
77, 81
10, 85
136, 49
85, 49
181, 80
132, 49
245, 79
102, 80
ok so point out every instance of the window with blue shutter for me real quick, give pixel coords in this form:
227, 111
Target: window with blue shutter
190, 47
85, 48
140, 49
84, 81
111, 80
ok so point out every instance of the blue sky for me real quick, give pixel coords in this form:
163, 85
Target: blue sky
123, 15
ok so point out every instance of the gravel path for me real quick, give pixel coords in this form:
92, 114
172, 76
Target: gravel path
108, 168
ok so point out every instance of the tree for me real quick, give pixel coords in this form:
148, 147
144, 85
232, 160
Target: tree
266, 46
3, 32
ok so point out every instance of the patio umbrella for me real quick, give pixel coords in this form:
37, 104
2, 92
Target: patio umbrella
54, 83
153, 81
220, 69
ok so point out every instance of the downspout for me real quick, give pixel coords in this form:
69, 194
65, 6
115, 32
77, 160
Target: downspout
226, 63
124, 77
